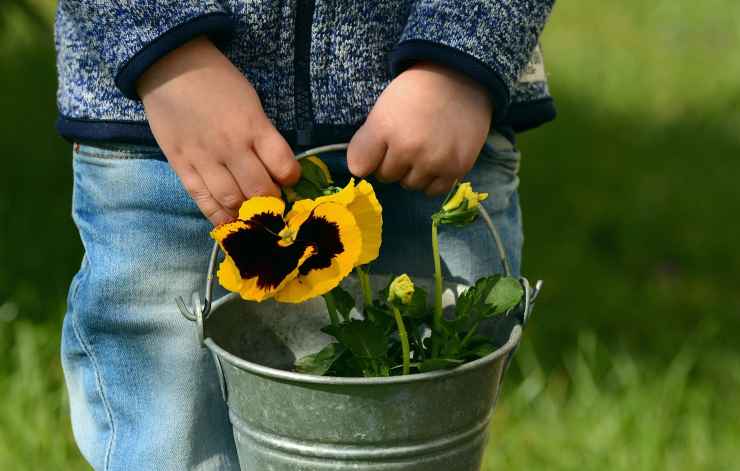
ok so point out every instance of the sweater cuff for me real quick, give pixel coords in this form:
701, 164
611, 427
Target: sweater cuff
218, 26
415, 50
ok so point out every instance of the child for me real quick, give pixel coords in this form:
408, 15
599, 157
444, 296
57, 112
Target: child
182, 110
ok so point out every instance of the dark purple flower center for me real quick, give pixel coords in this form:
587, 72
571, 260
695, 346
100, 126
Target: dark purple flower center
256, 251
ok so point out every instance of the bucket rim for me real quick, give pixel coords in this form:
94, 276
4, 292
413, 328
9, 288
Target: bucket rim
291, 376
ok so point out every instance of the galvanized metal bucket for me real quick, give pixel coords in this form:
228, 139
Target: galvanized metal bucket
287, 421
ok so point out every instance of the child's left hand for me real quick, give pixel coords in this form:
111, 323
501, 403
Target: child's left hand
425, 131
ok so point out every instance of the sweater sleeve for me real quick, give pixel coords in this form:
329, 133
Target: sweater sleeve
130, 35
491, 41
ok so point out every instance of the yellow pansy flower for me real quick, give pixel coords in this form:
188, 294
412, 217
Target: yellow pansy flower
293, 258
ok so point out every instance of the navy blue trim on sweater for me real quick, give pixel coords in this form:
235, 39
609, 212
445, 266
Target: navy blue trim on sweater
521, 117
529, 115
409, 52
94, 130
218, 26
138, 132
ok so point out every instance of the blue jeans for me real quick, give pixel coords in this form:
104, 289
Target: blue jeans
143, 393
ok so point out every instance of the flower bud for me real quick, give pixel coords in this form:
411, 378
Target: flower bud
464, 194
401, 289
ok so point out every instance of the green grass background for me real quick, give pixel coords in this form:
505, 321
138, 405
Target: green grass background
630, 199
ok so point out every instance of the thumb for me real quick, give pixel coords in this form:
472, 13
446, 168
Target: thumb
366, 151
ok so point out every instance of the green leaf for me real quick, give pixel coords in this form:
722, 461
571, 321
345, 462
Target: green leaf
343, 301
363, 338
451, 346
381, 315
313, 174
320, 362
378, 309
505, 294
460, 217
306, 189
439, 364
417, 308
471, 305
476, 340
346, 366
481, 350
383, 293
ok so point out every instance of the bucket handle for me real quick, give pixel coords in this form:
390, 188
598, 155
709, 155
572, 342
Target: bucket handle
199, 314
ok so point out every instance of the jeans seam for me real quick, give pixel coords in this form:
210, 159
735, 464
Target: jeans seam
122, 152
100, 389
76, 280
120, 155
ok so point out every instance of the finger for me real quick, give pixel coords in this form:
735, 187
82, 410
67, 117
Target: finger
222, 185
252, 176
277, 157
366, 151
439, 186
416, 179
392, 168
208, 205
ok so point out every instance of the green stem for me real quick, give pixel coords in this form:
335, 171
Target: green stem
437, 287
404, 340
332, 308
367, 292
469, 335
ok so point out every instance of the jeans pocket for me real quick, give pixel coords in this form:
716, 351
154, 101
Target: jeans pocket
496, 172
109, 150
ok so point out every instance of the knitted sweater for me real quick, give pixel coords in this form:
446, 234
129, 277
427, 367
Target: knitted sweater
317, 65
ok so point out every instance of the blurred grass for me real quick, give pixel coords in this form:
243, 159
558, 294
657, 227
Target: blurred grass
631, 360
631, 191
610, 410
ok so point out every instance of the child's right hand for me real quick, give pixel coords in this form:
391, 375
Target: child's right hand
209, 122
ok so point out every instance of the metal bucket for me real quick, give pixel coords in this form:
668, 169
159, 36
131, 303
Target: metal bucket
286, 421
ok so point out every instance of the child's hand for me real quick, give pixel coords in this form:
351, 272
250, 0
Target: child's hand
425, 130
209, 122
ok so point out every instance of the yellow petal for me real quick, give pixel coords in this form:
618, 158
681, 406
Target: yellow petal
261, 204
474, 198
458, 197
220, 232
228, 275
464, 193
344, 197
369, 216
301, 210
320, 281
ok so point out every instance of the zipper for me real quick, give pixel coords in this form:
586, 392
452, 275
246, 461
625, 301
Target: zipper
302, 72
